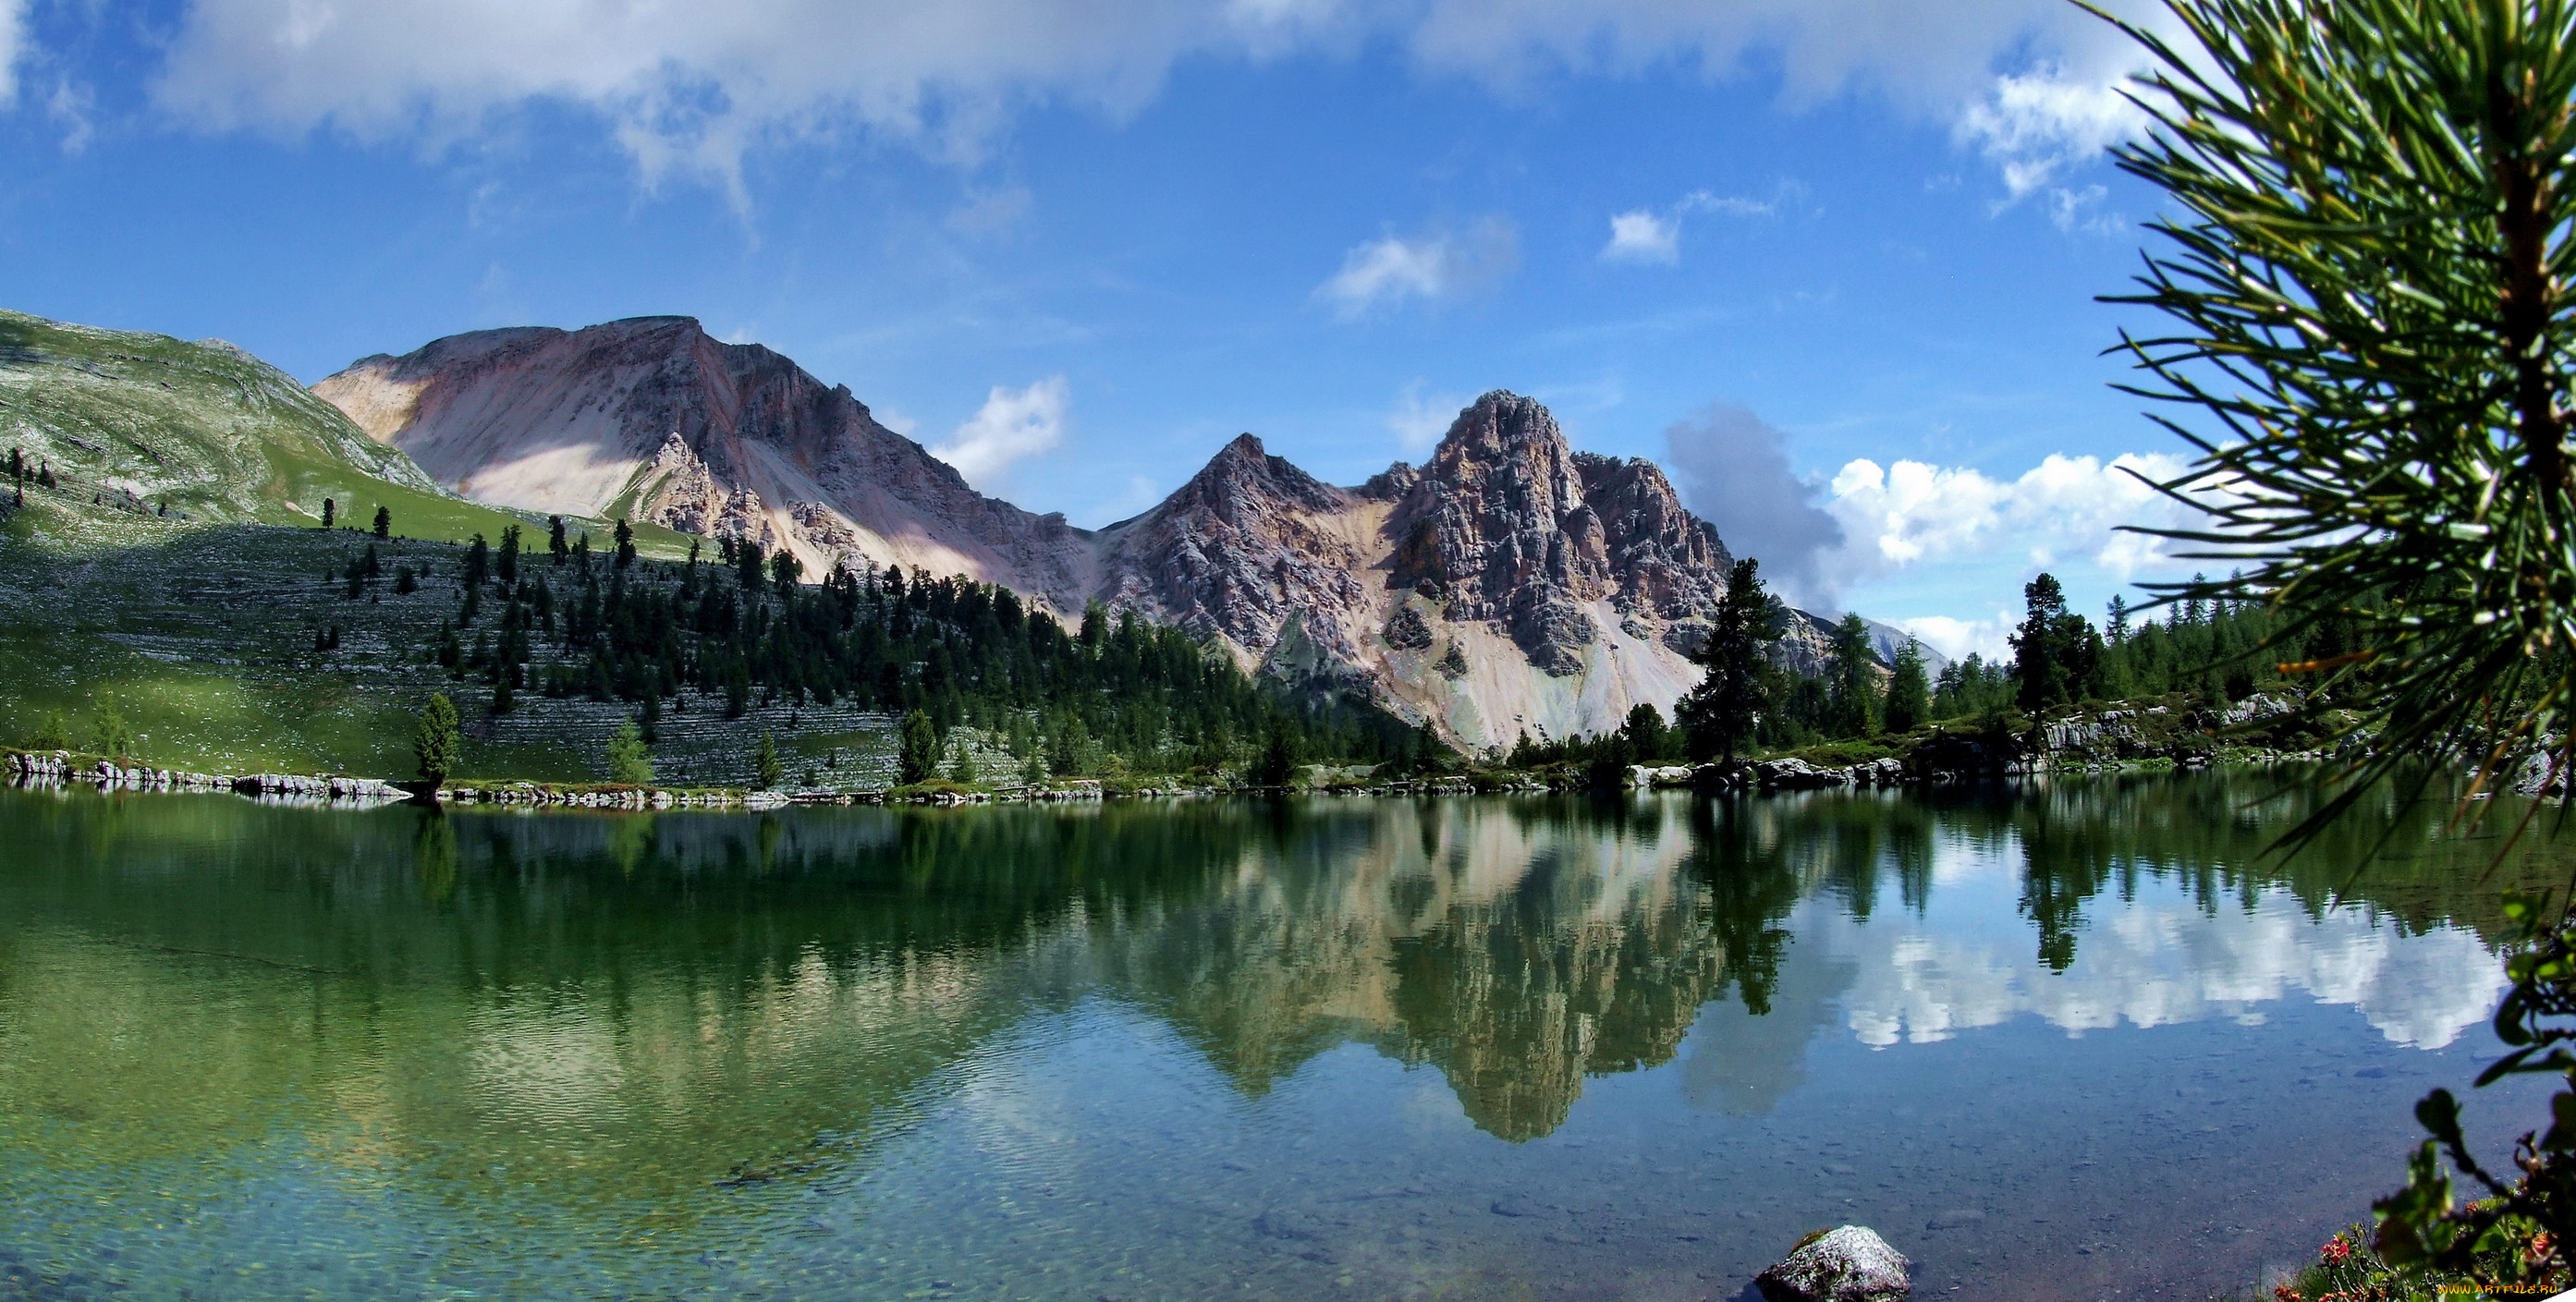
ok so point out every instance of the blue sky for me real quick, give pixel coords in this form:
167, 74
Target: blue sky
1781, 245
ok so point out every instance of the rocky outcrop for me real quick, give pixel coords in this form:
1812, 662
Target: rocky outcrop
1241, 551
652, 419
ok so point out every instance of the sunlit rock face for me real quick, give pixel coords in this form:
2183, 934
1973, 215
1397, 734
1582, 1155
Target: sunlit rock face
1570, 586
652, 419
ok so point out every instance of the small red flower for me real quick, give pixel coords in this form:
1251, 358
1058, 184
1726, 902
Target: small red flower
2285, 1293
2336, 1251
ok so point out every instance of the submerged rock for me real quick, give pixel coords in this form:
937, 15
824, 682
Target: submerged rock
1847, 1264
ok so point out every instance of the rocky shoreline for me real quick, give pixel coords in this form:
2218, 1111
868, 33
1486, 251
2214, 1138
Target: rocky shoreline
2149, 738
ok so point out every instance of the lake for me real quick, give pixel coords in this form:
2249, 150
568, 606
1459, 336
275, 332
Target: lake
2056, 1038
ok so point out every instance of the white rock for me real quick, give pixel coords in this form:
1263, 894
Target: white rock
1847, 1264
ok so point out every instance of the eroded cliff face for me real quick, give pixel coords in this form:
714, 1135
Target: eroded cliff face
651, 419
1509, 585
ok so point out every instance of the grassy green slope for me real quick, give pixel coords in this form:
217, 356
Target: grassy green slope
218, 435
202, 638
198, 624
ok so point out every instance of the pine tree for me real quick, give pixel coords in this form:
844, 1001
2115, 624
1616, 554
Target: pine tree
770, 769
1277, 766
963, 771
110, 735
330, 512
625, 544
507, 564
629, 762
916, 750
1909, 697
1719, 716
478, 563
437, 741
555, 542
2055, 653
1648, 739
1853, 686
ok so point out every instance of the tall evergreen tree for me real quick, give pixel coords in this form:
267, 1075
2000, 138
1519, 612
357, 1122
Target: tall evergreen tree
2055, 652
1719, 716
437, 741
506, 565
625, 543
1853, 685
384, 526
630, 763
916, 749
1277, 765
556, 543
330, 512
1649, 741
769, 769
478, 563
1909, 697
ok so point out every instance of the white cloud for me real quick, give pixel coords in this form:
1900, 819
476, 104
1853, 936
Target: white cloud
15, 48
1957, 639
1418, 421
2157, 961
1013, 425
2035, 125
687, 90
1434, 267
2074, 210
1641, 236
2064, 508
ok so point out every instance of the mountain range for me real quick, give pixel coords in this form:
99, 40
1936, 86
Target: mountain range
1508, 585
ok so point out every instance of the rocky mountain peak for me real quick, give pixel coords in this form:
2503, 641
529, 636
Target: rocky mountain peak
1244, 479
653, 418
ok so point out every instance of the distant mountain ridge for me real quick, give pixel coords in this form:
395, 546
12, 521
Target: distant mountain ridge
1509, 585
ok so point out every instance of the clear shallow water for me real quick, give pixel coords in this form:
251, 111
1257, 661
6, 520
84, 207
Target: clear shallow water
2066, 1039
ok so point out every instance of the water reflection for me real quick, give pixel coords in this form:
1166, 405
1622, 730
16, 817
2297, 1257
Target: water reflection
592, 1034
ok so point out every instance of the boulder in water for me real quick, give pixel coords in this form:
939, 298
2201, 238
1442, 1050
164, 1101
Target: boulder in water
1849, 1263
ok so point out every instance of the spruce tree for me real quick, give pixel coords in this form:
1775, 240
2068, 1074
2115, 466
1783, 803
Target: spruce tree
629, 762
916, 750
1719, 716
625, 544
555, 541
2056, 654
1277, 766
437, 741
384, 526
506, 565
330, 512
1853, 685
769, 769
1909, 697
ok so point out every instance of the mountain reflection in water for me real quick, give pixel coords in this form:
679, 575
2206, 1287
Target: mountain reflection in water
579, 1042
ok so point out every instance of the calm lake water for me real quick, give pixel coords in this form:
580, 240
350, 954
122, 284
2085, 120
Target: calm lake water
2061, 1039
